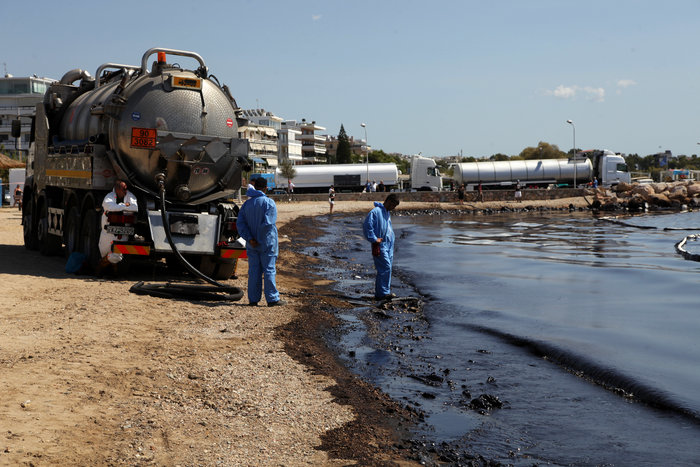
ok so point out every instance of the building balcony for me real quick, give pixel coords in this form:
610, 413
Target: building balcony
317, 148
311, 137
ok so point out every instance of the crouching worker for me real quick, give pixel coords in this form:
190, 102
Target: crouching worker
377, 230
118, 200
257, 226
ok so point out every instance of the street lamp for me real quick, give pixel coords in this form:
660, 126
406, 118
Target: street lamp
570, 122
366, 149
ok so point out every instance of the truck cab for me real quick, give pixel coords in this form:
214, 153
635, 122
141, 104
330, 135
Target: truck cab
611, 168
425, 175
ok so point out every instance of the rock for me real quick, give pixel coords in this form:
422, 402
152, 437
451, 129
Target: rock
677, 192
485, 402
694, 189
623, 187
660, 200
659, 187
645, 191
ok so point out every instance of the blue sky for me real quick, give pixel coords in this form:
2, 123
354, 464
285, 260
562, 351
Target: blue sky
435, 77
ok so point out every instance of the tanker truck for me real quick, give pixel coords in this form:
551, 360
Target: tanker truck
170, 133
344, 177
604, 165
354, 177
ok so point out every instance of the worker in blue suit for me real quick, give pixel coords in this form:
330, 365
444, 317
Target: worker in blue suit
378, 231
257, 226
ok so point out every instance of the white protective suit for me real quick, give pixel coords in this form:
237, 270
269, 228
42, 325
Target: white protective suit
110, 204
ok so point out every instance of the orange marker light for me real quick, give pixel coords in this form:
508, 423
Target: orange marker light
161, 57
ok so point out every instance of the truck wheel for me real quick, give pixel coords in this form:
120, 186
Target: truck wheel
48, 244
224, 271
28, 224
207, 266
89, 238
72, 230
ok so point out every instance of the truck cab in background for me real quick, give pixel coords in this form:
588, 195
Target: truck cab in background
425, 175
610, 168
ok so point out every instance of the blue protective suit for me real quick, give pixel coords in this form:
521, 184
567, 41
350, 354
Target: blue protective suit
377, 224
257, 220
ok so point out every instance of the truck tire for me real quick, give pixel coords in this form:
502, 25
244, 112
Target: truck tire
49, 244
224, 271
72, 230
89, 238
29, 222
207, 265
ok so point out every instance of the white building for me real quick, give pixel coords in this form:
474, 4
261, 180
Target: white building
289, 144
18, 99
262, 134
313, 145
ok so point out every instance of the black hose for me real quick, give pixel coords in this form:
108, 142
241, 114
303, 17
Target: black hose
201, 292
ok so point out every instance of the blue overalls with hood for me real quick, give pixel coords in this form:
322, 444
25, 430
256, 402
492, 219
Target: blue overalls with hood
377, 224
257, 220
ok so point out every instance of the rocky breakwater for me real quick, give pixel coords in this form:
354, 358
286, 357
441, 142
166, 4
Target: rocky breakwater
639, 197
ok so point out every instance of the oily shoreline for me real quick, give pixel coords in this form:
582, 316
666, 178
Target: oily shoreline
379, 434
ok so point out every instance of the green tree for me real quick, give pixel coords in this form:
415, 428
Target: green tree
499, 157
287, 170
542, 151
344, 153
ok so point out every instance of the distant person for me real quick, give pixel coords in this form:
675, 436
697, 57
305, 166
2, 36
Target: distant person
331, 197
480, 195
381, 188
18, 197
595, 183
120, 199
256, 224
374, 186
460, 193
518, 192
290, 187
368, 186
377, 230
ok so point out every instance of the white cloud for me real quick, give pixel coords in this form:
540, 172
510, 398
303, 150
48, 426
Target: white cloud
316, 17
594, 94
625, 83
571, 92
563, 92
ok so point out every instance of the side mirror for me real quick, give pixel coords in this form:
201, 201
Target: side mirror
16, 128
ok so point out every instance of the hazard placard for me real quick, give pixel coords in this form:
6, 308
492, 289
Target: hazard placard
143, 138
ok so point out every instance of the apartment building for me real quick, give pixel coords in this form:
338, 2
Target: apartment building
313, 145
262, 134
18, 99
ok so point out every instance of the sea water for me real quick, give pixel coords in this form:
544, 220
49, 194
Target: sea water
585, 330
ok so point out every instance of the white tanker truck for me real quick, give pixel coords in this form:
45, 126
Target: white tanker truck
169, 132
609, 168
354, 177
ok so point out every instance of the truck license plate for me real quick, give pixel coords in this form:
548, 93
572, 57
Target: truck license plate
119, 230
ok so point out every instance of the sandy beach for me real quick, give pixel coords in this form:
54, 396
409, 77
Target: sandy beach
94, 375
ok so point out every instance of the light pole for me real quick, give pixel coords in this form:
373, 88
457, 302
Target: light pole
570, 122
366, 149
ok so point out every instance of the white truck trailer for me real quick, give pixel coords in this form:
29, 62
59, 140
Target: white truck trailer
609, 169
354, 177
344, 177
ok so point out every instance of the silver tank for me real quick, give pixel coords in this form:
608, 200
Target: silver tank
559, 170
193, 118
